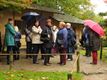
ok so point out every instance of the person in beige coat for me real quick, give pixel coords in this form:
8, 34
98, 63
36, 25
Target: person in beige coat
36, 42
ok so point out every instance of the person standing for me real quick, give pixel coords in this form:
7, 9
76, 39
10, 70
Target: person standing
54, 32
61, 42
71, 39
47, 38
28, 42
85, 41
17, 43
36, 43
94, 42
9, 38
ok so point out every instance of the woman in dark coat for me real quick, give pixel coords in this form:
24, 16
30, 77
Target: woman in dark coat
94, 42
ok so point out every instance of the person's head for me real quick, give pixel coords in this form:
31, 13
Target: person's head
37, 23
49, 22
68, 25
54, 28
61, 25
10, 20
16, 28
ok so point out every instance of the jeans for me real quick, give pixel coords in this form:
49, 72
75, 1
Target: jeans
17, 50
47, 57
28, 49
36, 48
35, 51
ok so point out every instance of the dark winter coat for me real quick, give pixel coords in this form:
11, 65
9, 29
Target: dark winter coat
71, 38
47, 37
94, 40
85, 37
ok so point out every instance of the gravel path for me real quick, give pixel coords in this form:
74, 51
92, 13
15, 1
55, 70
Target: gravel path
91, 72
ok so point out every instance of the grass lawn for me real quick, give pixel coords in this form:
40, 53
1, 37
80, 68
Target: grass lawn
29, 75
104, 54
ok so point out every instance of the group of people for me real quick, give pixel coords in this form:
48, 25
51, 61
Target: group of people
61, 39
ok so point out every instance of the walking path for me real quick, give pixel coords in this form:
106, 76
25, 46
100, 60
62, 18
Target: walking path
91, 72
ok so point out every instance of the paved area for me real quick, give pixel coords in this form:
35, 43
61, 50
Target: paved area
91, 72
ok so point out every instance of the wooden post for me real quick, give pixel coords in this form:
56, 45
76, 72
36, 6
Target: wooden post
78, 62
101, 50
69, 76
11, 61
78, 59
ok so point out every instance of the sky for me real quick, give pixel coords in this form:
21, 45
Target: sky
100, 6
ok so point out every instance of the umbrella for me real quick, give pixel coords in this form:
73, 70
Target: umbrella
29, 15
95, 27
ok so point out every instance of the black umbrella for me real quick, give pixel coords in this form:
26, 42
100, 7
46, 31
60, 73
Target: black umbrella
30, 17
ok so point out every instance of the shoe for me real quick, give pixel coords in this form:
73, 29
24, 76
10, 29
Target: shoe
63, 64
35, 63
93, 63
47, 64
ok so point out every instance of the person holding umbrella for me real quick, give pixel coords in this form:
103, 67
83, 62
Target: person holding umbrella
95, 31
29, 18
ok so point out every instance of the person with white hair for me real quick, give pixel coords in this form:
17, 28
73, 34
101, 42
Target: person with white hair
17, 43
61, 42
71, 39
54, 32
